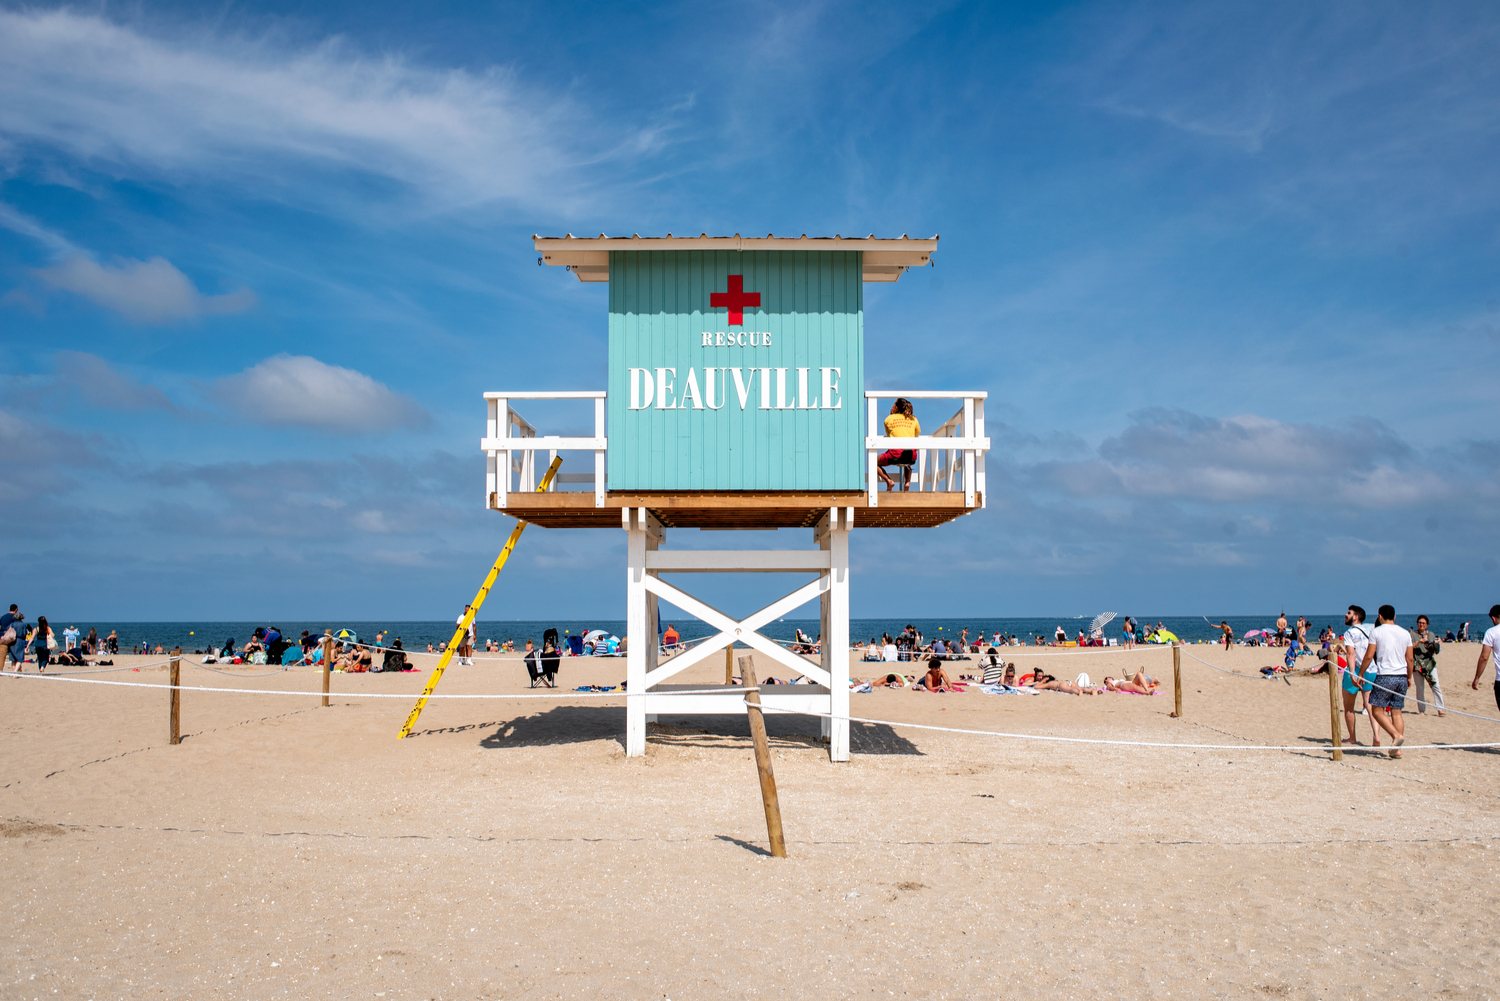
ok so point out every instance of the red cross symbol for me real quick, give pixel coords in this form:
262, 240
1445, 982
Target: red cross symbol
736, 299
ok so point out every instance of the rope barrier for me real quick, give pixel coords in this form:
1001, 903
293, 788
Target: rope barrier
238, 674
560, 693
684, 645
107, 670
1100, 740
555, 693
1341, 670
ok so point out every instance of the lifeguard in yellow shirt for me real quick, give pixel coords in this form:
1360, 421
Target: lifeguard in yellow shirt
902, 423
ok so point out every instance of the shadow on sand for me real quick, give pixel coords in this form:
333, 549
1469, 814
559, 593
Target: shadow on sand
581, 724
1325, 745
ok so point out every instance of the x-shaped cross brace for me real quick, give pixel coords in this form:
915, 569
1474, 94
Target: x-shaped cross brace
743, 630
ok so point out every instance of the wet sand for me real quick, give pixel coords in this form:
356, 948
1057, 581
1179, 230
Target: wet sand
510, 850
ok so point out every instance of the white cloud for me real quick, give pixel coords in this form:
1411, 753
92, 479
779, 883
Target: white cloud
297, 391
143, 291
252, 111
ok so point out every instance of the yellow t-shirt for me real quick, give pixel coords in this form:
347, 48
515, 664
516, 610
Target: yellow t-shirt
902, 426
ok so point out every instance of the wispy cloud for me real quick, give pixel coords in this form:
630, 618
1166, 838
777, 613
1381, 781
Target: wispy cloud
1173, 454
121, 100
297, 391
106, 387
142, 291
1369, 115
17, 221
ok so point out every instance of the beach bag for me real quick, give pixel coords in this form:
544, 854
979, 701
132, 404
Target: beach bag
51, 640
10, 636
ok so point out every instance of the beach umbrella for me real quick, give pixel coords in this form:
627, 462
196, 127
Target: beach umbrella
1101, 620
346, 636
1252, 632
595, 636
1166, 636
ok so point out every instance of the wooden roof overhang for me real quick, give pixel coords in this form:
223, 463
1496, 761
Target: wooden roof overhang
748, 511
885, 260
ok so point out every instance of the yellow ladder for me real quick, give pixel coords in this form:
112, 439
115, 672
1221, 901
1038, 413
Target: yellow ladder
464, 623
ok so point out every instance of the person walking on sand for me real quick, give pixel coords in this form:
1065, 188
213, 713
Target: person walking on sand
1353, 644
1489, 650
1425, 648
12, 635
1390, 651
43, 642
466, 641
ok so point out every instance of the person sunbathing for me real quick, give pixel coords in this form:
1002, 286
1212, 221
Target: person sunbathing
891, 681
1047, 683
1141, 684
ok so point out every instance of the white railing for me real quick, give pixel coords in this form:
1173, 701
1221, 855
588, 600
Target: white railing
511, 458
950, 458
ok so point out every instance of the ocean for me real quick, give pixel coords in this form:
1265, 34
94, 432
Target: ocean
415, 635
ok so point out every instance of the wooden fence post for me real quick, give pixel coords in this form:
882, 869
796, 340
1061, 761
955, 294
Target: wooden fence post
729, 664
174, 732
763, 758
1177, 680
327, 661
1333, 710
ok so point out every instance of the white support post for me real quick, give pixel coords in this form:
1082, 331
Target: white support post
502, 455
599, 453
826, 527
872, 478
836, 633
635, 637
979, 483
640, 625
653, 615
491, 470
968, 432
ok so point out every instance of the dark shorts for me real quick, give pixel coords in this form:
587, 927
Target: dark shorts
1497, 695
1389, 692
897, 457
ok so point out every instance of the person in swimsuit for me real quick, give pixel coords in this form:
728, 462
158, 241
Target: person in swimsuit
1140, 684
1228, 634
936, 679
1047, 683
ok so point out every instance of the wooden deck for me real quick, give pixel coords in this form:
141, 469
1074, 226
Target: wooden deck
575, 509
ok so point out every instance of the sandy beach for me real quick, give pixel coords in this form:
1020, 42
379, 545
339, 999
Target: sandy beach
510, 850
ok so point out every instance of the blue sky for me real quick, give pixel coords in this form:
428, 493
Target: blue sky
1230, 274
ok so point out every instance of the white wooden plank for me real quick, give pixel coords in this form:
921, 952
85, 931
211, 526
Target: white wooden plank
737, 561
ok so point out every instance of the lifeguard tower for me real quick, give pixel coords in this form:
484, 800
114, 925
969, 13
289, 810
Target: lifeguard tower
736, 368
